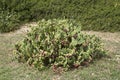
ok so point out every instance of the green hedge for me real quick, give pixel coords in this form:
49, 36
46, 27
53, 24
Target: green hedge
93, 14
102, 15
13, 13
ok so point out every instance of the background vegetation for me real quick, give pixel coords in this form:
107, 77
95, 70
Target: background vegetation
103, 15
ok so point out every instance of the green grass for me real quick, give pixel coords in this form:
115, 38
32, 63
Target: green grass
107, 68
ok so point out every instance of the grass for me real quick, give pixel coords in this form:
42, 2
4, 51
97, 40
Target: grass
107, 68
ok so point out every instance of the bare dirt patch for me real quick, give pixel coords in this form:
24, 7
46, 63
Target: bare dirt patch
113, 37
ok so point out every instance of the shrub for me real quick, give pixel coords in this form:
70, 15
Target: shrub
14, 12
58, 43
8, 21
99, 15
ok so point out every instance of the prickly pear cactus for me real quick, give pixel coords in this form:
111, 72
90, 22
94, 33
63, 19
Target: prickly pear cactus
58, 43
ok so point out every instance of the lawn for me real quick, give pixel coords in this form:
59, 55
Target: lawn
107, 68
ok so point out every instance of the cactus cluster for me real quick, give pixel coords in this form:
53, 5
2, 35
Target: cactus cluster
58, 43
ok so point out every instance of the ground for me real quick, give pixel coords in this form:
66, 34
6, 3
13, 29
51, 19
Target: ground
108, 68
